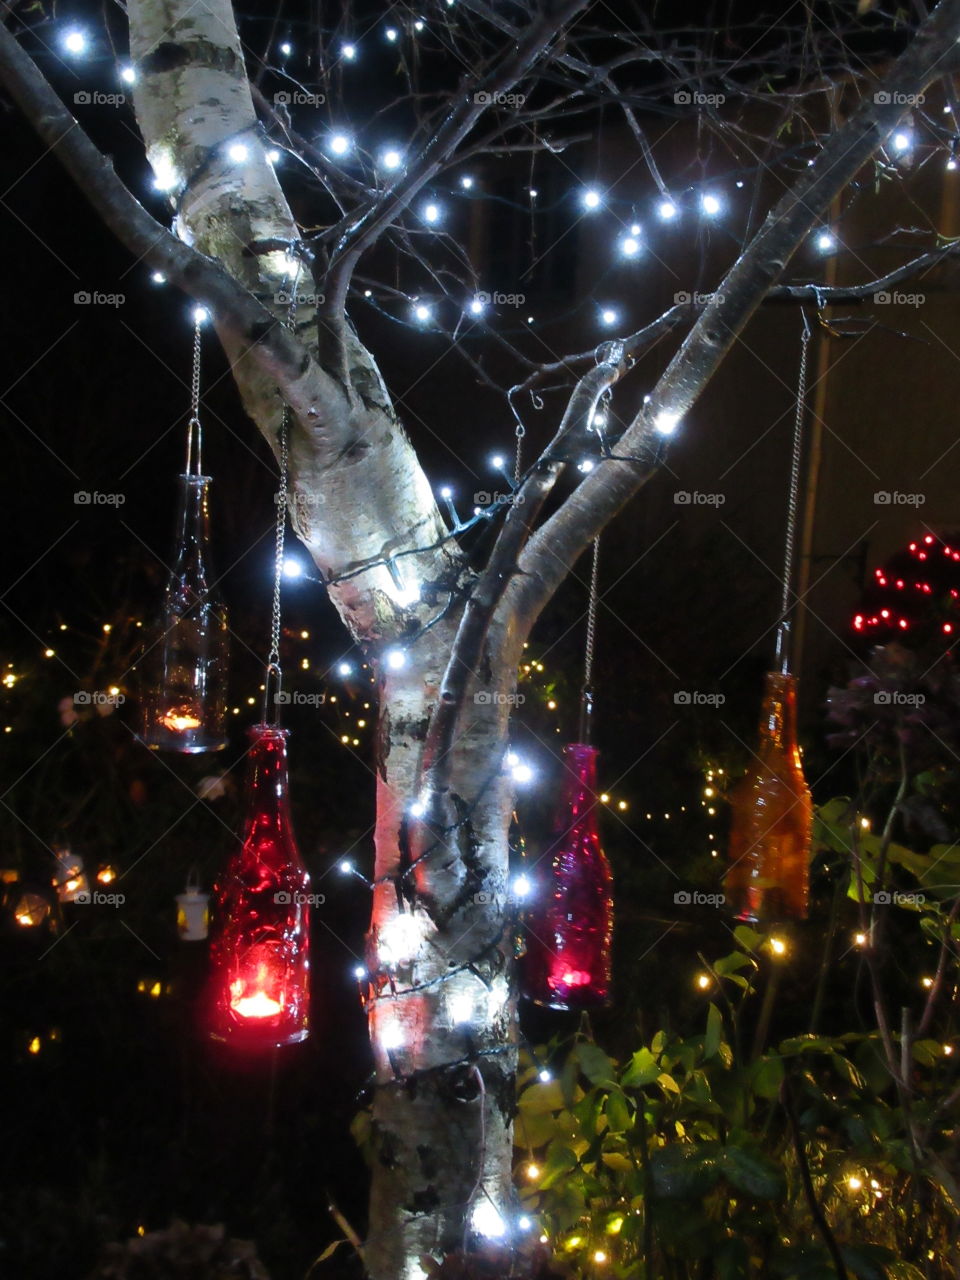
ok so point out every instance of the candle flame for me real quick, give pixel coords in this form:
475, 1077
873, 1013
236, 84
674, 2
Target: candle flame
180, 722
259, 1005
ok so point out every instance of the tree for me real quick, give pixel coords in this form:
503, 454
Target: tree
444, 622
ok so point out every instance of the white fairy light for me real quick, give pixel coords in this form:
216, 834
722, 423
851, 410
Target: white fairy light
544, 1076
340, 144
522, 886
158, 277
591, 198
630, 246
349, 52
238, 152
292, 568
344, 669
391, 158
422, 312
609, 316
396, 659
477, 306
522, 772
345, 867
585, 466
488, 1221
128, 75
75, 41
524, 1223
400, 939
391, 34
418, 809
273, 156
951, 164
359, 972
391, 1037
901, 141
666, 422
710, 204
200, 315
466, 182
666, 210
826, 241
461, 1007
431, 212
497, 462
286, 48
165, 176
446, 492
418, 25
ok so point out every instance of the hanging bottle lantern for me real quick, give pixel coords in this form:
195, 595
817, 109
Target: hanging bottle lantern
260, 942
193, 910
772, 817
185, 707
568, 960
70, 879
771, 823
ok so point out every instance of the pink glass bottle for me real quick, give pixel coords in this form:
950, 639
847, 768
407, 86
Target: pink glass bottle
259, 947
570, 919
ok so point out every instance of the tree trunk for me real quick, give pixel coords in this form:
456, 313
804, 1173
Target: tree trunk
439, 955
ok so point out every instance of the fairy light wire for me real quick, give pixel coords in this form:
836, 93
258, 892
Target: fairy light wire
586, 690
793, 503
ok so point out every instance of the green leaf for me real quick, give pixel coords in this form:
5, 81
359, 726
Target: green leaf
667, 1083
767, 1076
753, 1173
748, 938
619, 1115
642, 1069
540, 1098
731, 964
714, 1035
617, 1161
330, 1250
866, 1261
808, 1043
594, 1063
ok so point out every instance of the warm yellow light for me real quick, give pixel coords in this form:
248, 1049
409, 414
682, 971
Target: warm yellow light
63, 626
141, 1231
345, 739
304, 664
711, 812
34, 1045
551, 705
9, 679
621, 805
533, 1172
709, 792
155, 990
703, 981
865, 824
778, 946
251, 701
615, 1226
48, 653
604, 799
141, 985
860, 939
107, 628
106, 874
179, 723
113, 690
574, 1242
356, 742
304, 635
854, 1183
361, 724
599, 1256
259, 1005
948, 1049
927, 982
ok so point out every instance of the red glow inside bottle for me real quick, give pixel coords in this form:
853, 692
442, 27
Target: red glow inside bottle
260, 941
570, 923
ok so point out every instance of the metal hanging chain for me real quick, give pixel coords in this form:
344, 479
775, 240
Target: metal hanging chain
274, 674
586, 689
517, 468
793, 502
194, 434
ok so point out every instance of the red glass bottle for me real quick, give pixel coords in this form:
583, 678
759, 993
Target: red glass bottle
259, 947
570, 920
772, 817
185, 666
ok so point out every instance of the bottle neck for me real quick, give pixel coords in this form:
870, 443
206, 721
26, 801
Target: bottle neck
267, 791
580, 778
778, 719
193, 523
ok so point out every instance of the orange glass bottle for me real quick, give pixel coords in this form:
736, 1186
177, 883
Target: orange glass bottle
772, 817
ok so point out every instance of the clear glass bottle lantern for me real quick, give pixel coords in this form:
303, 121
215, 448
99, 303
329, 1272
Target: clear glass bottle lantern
259, 948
